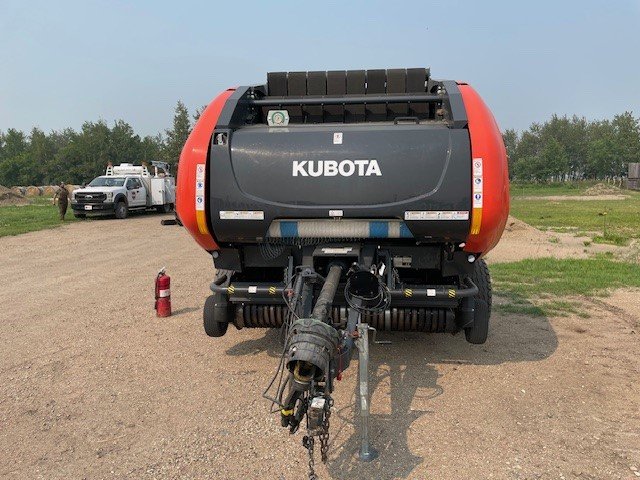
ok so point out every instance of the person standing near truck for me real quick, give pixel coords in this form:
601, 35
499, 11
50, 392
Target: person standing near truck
63, 200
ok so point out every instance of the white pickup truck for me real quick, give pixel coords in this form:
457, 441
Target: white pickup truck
124, 188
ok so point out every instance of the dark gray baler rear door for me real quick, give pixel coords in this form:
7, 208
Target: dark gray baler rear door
421, 167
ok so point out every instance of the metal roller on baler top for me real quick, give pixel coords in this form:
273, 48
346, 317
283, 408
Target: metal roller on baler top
334, 203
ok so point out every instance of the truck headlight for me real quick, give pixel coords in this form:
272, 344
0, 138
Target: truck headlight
109, 196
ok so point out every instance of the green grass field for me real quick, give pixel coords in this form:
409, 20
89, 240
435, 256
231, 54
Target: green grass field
545, 286
41, 214
542, 189
622, 217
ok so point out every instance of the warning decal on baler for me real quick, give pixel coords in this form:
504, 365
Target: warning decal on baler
478, 192
200, 177
436, 215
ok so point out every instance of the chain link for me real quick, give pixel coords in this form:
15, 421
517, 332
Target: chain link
324, 436
307, 442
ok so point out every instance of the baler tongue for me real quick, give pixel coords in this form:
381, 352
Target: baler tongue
317, 353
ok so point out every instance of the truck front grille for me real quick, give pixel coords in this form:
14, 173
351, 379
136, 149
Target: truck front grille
91, 197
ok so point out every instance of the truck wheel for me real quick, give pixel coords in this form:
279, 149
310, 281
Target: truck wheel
121, 210
216, 315
478, 332
166, 208
80, 215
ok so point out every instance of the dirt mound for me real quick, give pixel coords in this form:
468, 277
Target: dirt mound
602, 189
514, 225
11, 197
521, 240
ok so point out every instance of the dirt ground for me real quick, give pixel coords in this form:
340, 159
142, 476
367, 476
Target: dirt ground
94, 386
520, 240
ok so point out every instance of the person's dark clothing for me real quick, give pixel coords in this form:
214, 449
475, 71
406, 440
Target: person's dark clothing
63, 202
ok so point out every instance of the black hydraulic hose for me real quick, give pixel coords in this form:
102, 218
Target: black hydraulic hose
325, 299
348, 339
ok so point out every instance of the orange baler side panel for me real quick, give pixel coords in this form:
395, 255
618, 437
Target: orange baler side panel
490, 212
192, 159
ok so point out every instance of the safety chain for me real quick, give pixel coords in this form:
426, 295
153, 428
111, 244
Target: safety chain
324, 436
307, 442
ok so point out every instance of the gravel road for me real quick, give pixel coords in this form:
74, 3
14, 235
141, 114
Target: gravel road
93, 385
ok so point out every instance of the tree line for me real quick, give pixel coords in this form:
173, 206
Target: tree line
38, 158
560, 149
572, 148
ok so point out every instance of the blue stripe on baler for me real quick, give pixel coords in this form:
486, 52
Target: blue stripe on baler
404, 231
378, 229
289, 229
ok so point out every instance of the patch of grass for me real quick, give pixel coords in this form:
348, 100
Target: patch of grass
554, 240
611, 239
539, 307
539, 286
592, 276
550, 189
15, 220
520, 308
622, 216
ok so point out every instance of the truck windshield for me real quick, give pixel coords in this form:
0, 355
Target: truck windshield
107, 182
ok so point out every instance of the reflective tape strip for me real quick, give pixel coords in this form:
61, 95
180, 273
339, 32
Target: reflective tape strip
476, 220
202, 222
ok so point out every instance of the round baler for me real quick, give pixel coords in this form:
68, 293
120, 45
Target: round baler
329, 200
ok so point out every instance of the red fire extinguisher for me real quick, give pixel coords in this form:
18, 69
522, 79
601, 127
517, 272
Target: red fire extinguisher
163, 294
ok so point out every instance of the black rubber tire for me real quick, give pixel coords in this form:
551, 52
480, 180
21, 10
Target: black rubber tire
216, 315
80, 215
121, 209
478, 332
166, 208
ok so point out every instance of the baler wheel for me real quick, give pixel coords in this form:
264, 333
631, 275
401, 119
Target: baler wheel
477, 334
216, 315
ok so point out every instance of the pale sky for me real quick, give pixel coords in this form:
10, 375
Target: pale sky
65, 62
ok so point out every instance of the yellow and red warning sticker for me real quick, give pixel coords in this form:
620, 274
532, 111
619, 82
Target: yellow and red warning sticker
478, 193
200, 218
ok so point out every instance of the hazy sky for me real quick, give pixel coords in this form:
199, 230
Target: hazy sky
65, 62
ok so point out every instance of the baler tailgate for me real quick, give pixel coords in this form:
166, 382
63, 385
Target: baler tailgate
372, 165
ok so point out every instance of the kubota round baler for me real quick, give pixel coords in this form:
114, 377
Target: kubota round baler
330, 200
